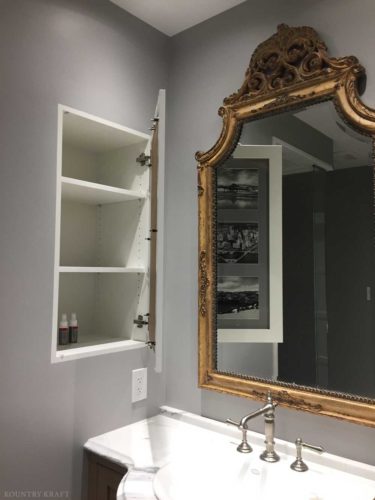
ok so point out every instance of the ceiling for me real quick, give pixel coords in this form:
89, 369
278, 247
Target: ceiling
173, 16
350, 149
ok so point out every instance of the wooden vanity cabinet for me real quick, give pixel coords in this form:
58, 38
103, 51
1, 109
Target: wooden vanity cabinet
103, 477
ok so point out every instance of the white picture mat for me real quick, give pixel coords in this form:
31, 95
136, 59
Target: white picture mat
275, 332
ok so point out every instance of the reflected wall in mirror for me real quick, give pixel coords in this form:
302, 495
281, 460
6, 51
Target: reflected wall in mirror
326, 246
286, 234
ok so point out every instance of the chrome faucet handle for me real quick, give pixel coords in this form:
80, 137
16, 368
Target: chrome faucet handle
244, 446
232, 422
299, 465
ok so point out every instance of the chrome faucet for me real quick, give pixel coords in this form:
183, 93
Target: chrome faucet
268, 410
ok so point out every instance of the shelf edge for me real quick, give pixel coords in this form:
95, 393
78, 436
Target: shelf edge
92, 269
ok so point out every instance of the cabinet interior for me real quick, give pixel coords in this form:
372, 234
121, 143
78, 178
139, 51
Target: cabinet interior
103, 226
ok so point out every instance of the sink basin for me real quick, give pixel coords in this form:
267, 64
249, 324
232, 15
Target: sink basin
246, 477
177, 455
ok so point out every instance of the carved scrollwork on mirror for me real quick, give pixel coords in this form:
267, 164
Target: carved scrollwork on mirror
286, 230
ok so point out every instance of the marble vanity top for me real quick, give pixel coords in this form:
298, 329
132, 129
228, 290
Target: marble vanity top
177, 455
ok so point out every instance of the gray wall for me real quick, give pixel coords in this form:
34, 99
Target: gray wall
208, 63
93, 56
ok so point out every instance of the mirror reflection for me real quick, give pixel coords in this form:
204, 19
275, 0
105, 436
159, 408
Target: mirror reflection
296, 200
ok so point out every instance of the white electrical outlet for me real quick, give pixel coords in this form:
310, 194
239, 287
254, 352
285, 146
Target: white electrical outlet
139, 384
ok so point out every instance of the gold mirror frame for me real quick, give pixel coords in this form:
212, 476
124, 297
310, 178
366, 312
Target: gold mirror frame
292, 69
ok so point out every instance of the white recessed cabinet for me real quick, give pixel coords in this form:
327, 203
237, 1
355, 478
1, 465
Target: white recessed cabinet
103, 234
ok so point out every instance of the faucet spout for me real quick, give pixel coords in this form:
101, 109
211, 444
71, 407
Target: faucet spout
268, 410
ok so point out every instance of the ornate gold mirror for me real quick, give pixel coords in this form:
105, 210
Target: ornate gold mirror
286, 234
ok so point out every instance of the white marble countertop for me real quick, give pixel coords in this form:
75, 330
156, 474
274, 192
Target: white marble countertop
154, 441
146, 446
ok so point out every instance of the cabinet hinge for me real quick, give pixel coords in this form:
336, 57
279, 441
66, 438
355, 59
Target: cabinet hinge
151, 231
143, 160
151, 344
154, 123
140, 322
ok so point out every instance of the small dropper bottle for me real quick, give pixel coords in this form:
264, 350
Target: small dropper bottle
73, 329
63, 330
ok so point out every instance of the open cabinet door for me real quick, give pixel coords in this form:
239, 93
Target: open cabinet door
148, 322
157, 231
157, 267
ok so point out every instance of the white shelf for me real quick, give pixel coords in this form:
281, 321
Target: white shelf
91, 193
114, 270
96, 347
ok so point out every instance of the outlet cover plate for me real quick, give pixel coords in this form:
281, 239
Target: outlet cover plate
139, 384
